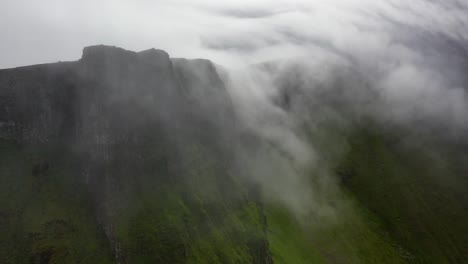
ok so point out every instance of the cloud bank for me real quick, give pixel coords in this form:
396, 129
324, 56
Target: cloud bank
395, 60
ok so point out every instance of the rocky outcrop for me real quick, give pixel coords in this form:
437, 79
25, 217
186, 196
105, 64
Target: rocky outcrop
109, 88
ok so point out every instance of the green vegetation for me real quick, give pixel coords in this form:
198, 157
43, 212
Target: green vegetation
349, 235
416, 188
49, 216
45, 216
395, 202
401, 199
288, 241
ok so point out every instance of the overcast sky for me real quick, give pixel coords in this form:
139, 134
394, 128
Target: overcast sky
230, 32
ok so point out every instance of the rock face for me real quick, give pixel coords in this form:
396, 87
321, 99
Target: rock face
43, 102
133, 146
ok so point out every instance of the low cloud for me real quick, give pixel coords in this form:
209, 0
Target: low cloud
395, 60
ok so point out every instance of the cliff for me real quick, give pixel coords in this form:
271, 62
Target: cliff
118, 157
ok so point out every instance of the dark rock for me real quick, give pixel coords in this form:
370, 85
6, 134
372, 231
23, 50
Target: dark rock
108, 89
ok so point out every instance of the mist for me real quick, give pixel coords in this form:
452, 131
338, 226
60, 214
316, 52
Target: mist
286, 64
267, 131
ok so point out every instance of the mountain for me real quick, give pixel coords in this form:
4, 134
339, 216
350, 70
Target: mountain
118, 157
136, 157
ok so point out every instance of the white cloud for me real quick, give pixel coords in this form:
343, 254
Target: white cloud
414, 53
50, 30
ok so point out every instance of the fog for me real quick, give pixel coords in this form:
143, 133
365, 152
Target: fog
394, 61
231, 32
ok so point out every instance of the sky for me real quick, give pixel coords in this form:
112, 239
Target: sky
230, 32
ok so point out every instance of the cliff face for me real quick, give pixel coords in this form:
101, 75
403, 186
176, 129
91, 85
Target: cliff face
125, 151
113, 96
43, 102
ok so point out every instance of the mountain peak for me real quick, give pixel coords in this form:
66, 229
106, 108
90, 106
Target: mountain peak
103, 53
100, 51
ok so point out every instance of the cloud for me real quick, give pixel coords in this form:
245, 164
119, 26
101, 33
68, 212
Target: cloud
395, 60
50, 30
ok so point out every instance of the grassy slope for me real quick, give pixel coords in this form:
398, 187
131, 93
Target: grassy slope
191, 219
45, 217
400, 202
417, 189
356, 237
49, 217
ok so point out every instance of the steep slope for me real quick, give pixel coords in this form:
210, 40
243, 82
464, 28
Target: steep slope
400, 197
396, 187
416, 188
